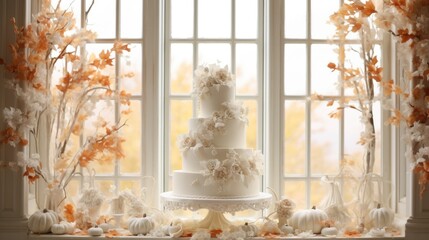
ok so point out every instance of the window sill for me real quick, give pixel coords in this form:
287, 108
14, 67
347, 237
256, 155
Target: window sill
75, 237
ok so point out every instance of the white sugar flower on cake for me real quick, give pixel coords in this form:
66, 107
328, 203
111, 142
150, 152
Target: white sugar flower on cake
232, 168
210, 75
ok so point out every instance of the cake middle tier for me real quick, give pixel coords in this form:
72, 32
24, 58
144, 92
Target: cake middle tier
193, 184
194, 159
232, 133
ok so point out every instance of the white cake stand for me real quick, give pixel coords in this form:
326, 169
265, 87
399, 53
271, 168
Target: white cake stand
215, 218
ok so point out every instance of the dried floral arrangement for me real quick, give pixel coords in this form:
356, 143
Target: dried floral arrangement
49, 46
407, 22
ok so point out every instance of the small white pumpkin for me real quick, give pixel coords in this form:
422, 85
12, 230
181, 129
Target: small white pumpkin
175, 231
381, 217
329, 231
95, 231
62, 228
140, 225
251, 230
42, 221
308, 220
106, 226
286, 229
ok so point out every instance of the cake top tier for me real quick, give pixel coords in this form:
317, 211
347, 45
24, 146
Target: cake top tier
211, 75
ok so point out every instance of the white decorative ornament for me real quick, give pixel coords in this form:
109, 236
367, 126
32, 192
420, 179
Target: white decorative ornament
377, 232
251, 230
329, 231
286, 229
308, 220
175, 231
62, 228
140, 225
42, 221
95, 231
381, 217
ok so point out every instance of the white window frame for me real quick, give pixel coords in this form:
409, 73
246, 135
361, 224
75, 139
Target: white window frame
276, 97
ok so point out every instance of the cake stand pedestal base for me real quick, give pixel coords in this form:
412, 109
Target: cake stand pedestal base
215, 218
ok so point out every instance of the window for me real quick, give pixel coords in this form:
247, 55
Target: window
203, 32
125, 21
278, 51
314, 144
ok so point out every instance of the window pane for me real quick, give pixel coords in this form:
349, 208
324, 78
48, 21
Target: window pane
180, 113
214, 52
246, 18
131, 70
318, 192
252, 127
133, 185
295, 19
132, 132
98, 22
295, 72
352, 130
182, 18
323, 80
324, 140
181, 68
131, 18
295, 147
214, 18
320, 12
296, 191
246, 73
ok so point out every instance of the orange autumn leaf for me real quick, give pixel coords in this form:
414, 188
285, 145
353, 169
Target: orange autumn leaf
30, 173
330, 103
215, 232
352, 233
368, 9
119, 47
69, 212
112, 233
332, 66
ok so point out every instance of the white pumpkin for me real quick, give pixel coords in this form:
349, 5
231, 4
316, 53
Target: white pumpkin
308, 220
42, 221
95, 231
175, 231
381, 217
286, 229
329, 231
106, 226
251, 230
140, 225
62, 228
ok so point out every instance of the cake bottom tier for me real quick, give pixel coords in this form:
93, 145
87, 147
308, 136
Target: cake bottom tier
193, 184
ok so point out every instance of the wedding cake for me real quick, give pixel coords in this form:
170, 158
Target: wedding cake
216, 162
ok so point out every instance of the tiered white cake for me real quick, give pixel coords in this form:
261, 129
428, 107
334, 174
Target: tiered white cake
216, 162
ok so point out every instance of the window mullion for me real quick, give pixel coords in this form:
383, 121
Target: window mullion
274, 88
